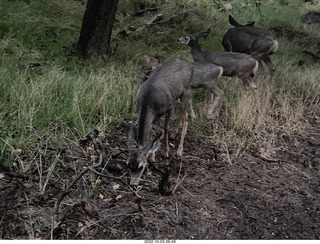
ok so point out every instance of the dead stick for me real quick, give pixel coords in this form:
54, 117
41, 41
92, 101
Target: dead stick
315, 57
154, 19
151, 22
104, 175
93, 135
66, 192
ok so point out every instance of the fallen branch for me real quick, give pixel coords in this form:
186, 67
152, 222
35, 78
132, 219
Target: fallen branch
93, 135
264, 158
145, 10
151, 22
154, 19
57, 226
314, 56
117, 154
66, 192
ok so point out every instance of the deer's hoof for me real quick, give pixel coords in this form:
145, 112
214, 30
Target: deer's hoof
253, 85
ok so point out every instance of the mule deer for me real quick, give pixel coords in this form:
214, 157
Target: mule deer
156, 97
205, 75
255, 41
236, 64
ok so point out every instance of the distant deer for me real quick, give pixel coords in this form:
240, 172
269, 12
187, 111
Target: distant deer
257, 42
240, 65
156, 98
206, 75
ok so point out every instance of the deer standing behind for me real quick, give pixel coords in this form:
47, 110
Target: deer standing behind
206, 75
257, 42
235, 64
156, 98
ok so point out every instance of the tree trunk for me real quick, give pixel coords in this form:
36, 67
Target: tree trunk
96, 28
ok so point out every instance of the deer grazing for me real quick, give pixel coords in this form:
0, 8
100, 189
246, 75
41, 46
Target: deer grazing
236, 64
255, 41
156, 98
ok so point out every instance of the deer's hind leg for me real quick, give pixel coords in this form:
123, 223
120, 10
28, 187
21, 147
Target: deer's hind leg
215, 102
270, 65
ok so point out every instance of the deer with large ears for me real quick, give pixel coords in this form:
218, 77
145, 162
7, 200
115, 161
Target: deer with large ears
156, 98
257, 42
235, 64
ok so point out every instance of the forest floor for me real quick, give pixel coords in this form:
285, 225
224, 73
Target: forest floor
216, 194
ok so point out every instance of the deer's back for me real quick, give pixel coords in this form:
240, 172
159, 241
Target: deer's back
247, 39
232, 63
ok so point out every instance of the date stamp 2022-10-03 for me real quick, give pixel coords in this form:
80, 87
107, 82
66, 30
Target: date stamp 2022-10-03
159, 241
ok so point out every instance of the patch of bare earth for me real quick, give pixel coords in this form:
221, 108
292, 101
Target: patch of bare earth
217, 194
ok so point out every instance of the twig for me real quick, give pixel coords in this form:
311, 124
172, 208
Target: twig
258, 7
107, 176
151, 22
155, 167
66, 192
93, 135
315, 57
264, 158
19, 66
117, 154
56, 226
154, 19
142, 11
176, 186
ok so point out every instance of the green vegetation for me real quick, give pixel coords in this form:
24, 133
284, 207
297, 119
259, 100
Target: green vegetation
49, 97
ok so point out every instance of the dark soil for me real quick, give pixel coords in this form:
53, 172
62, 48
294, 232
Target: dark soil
216, 194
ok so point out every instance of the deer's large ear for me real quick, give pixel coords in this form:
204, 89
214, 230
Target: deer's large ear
132, 136
233, 22
156, 143
250, 24
203, 34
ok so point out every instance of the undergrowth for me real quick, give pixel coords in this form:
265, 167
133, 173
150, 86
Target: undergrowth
50, 97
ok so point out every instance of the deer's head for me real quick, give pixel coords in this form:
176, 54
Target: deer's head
138, 154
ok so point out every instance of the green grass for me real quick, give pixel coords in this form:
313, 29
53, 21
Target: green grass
59, 101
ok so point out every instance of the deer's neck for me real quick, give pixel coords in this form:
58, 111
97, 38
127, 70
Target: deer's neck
196, 52
144, 127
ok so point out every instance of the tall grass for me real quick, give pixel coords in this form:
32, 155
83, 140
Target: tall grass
79, 99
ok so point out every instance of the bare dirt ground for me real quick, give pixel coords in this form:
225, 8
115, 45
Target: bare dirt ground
216, 194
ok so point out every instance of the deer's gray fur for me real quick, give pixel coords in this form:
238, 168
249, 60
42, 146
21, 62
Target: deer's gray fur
206, 75
257, 42
236, 64
156, 98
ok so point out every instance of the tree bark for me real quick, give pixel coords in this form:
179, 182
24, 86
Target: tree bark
96, 28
